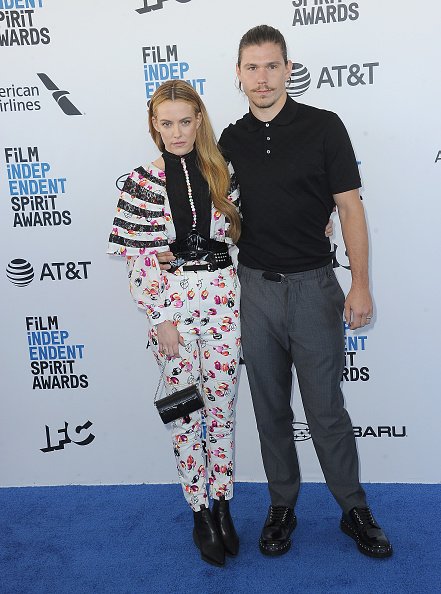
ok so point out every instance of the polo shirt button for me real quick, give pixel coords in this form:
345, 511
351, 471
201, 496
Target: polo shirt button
268, 138
267, 125
268, 152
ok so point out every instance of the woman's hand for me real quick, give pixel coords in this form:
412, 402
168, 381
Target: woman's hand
164, 259
169, 339
329, 229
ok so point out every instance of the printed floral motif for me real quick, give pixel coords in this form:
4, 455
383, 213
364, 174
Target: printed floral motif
211, 356
204, 306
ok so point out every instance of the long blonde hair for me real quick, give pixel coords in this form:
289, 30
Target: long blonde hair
210, 160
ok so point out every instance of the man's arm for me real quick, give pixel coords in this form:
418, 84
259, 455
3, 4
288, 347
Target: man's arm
358, 305
165, 258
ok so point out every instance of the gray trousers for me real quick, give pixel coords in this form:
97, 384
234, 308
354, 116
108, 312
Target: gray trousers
299, 321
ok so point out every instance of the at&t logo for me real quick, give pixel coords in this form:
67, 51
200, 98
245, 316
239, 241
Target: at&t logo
299, 80
342, 75
21, 272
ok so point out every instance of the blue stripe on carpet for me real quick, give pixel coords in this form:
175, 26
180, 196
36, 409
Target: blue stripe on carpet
136, 539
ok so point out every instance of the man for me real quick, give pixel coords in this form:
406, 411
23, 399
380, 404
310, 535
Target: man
294, 163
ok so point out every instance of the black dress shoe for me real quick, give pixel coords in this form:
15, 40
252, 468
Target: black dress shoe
275, 538
225, 526
207, 538
360, 525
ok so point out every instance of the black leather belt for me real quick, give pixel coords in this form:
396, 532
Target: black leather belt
276, 277
213, 254
196, 267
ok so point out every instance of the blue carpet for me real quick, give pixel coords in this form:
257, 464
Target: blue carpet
137, 539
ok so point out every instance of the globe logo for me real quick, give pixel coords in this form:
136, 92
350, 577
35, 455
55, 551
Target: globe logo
20, 272
301, 432
299, 80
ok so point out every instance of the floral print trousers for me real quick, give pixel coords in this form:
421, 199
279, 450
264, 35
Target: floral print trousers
205, 309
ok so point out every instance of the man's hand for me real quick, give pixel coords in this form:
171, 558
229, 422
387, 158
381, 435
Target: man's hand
164, 259
358, 308
169, 339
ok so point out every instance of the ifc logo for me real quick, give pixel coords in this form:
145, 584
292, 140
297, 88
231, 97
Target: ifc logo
299, 80
20, 272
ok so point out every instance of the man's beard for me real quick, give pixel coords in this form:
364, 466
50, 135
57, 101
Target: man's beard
264, 102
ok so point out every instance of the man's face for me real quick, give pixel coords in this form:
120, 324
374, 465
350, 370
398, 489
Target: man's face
263, 74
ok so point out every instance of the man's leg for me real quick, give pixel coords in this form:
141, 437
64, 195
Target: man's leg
316, 331
317, 341
267, 357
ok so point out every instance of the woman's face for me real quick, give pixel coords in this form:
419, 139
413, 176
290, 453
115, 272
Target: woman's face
177, 123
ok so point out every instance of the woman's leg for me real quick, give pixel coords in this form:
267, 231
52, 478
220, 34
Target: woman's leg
220, 355
186, 434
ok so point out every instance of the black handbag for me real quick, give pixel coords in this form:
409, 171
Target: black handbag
179, 404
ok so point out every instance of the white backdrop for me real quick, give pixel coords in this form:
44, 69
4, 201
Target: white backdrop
377, 67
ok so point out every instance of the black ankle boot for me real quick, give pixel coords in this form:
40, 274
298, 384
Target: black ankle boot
225, 526
207, 538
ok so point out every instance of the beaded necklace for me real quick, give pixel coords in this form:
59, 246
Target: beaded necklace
190, 194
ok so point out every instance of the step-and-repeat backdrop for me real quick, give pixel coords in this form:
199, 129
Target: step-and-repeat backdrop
77, 382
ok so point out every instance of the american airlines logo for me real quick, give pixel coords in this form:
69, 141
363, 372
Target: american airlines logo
59, 95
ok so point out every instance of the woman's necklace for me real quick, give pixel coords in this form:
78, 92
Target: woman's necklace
190, 194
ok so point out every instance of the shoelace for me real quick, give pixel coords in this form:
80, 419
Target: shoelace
278, 514
365, 516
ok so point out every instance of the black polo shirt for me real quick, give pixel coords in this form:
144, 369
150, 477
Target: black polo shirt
288, 170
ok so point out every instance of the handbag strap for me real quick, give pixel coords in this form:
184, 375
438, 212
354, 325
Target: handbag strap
161, 381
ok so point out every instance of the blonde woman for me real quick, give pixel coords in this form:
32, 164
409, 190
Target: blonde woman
184, 202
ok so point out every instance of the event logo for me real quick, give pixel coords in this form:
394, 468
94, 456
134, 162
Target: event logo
380, 431
120, 181
342, 75
314, 12
18, 271
348, 74
161, 63
301, 432
53, 357
299, 80
33, 192
60, 96
155, 5
65, 439
22, 98
354, 344
17, 23
19, 98
335, 258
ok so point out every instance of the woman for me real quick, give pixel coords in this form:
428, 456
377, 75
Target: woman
181, 200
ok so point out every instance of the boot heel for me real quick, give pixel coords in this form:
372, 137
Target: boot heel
225, 526
207, 539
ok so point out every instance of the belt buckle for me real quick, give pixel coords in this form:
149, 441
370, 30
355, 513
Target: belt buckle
276, 277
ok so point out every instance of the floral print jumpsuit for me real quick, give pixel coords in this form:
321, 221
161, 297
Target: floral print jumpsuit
204, 306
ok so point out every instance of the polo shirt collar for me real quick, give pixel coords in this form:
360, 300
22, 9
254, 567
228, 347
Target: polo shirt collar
285, 116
